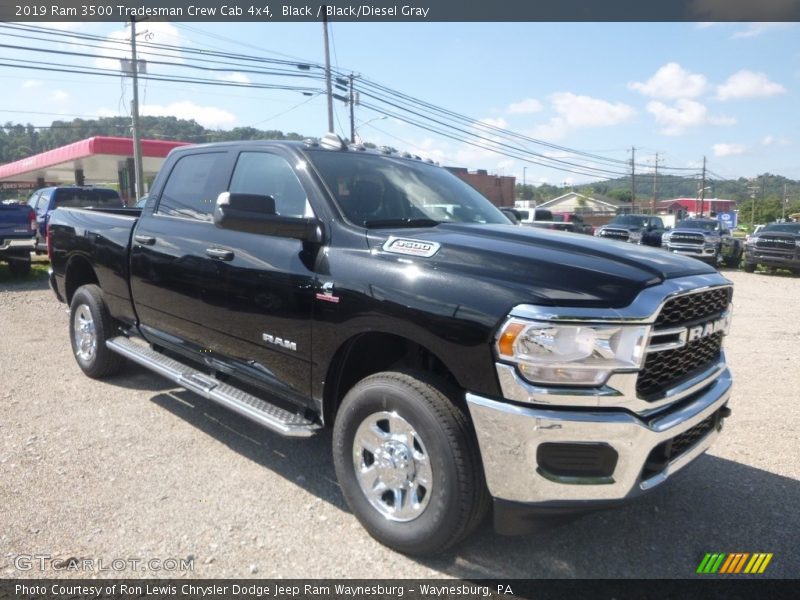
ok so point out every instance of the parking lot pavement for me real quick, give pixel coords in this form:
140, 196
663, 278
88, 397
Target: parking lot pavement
135, 468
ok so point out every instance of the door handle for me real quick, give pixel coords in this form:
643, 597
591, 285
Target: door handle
219, 253
145, 240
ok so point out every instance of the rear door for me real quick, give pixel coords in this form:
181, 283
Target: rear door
178, 285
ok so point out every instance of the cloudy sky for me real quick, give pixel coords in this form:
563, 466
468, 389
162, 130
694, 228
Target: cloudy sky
683, 90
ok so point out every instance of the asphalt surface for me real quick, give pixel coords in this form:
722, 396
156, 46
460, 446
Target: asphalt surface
134, 469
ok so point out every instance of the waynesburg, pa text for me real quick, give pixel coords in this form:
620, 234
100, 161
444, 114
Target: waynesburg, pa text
260, 591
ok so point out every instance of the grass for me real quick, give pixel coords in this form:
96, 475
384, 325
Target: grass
38, 272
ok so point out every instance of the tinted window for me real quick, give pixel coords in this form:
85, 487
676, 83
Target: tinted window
375, 191
704, 225
80, 198
192, 189
270, 175
784, 228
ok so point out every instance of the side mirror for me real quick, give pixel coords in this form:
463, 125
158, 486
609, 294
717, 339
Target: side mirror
254, 213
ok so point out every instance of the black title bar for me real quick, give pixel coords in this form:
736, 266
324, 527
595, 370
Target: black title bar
410, 10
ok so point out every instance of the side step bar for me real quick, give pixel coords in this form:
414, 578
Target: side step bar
270, 416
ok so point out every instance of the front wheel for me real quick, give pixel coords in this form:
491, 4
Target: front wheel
91, 326
749, 267
408, 463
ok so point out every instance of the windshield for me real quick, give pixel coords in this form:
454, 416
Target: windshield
782, 228
629, 220
387, 191
77, 198
704, 225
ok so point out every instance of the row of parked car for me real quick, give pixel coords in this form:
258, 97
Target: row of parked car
773, 246
23, 226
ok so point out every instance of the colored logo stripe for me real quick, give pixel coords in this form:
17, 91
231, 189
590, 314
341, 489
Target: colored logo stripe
722, 563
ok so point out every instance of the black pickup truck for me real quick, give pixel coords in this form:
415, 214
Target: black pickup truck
458, 358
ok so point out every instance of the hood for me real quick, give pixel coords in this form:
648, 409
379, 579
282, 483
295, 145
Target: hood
538, 265
622, 227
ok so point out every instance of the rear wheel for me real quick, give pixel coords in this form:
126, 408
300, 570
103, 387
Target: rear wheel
91, 326
749, 267
408, 463
19, 266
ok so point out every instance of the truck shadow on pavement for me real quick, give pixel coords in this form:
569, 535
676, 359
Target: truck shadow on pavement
716, 505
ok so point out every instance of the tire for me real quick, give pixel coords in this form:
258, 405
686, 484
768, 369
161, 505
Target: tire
749, 267
90, 326
733, 261
433, 500
20, 266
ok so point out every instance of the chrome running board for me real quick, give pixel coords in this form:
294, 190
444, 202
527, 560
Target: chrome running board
270, 416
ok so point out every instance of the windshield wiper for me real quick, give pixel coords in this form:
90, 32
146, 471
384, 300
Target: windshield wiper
401, 223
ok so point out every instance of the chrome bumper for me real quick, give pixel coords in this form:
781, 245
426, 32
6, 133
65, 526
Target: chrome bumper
509, 436
29, 244
691, 250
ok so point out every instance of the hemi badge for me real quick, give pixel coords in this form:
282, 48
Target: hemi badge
411, 247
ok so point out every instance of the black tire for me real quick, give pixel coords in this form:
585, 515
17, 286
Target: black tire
20, 266
89, 309
749, 267
455, 500
733, 261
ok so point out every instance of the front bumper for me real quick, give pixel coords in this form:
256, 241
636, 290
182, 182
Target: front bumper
509, 436
705, 251
772, 258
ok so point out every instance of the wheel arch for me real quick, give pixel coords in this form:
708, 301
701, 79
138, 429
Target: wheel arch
79, 272
371, 352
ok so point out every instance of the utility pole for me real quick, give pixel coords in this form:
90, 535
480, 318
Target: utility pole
753, 189
137, 143
783, 204
327, 68
352, 112
633, 179
703, 188
655, 177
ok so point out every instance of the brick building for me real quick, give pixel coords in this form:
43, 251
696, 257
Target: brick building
499, 189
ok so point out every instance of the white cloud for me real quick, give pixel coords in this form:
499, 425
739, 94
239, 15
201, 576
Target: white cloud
59, 96
575, 111
748, 84
768, 140
208, 116
525, 107
729, 149
555, 129
498, 122
671, 82
757, 29
235, 78
31, 84
683, 115
584, 111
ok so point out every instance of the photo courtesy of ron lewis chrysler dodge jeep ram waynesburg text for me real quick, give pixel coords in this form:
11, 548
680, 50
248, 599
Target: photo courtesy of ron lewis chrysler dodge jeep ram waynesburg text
459, 359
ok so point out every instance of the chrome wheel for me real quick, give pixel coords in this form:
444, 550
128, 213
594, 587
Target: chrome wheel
392, 466
85, 334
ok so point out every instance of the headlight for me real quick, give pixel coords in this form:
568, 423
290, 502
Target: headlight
598, 233
635, 236
566, 354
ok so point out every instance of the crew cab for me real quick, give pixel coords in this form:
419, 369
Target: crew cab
459, 359
706, 239
637, 229
776, 245
17, 237
46, 200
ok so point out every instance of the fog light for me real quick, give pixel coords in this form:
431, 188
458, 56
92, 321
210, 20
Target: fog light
583, 460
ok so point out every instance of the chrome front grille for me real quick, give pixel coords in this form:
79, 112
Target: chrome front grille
664, 369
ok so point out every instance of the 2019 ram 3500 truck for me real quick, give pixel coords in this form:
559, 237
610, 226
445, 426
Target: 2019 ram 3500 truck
456, 357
